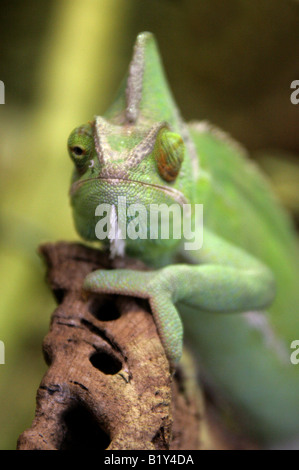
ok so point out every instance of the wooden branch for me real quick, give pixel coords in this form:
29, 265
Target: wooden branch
108, 384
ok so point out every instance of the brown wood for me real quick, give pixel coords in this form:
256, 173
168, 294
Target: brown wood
108, 384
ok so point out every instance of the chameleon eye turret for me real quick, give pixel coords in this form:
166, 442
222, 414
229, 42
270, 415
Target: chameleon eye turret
170, 151
80, 146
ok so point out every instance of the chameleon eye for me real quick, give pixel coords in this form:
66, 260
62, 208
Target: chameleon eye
80, 147
80, 156
78, 151
169, 154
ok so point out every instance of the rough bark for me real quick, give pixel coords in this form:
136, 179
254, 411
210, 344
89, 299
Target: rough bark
108, 384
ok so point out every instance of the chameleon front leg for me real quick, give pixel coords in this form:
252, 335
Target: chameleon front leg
146, 285
227, 280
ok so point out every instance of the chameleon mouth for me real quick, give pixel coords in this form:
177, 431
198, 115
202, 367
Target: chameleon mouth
172, 192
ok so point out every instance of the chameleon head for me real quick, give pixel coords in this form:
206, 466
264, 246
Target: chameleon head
124, 176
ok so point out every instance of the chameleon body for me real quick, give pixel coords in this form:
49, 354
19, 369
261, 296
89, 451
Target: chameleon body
238, 293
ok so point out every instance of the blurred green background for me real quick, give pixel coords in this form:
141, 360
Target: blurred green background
229, 62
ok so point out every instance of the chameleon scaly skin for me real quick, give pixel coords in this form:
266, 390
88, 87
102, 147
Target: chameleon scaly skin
142, 150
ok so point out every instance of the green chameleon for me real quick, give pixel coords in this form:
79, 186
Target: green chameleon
238, 293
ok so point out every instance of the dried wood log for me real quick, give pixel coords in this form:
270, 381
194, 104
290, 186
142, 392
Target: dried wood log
108, 384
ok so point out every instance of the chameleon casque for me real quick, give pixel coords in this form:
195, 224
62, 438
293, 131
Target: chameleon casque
238, 295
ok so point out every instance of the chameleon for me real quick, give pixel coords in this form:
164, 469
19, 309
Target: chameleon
235, 298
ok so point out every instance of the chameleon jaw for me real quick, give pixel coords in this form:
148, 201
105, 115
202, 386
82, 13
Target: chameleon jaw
174, 193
